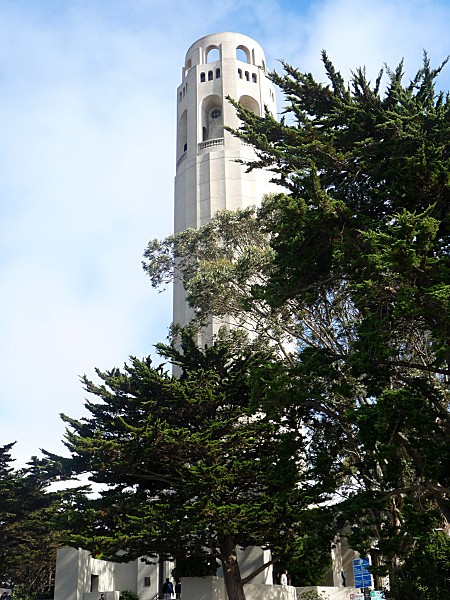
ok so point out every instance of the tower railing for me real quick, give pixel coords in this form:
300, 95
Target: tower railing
210, 143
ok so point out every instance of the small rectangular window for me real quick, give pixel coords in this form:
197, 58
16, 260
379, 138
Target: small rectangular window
146, 581
94, 583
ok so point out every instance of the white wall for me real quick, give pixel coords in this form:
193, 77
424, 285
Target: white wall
342, 556
125, 576
213, 588
203, 588
269, 592
68, 577
75, 567
328, 593
104, 570
74, 571
143, 571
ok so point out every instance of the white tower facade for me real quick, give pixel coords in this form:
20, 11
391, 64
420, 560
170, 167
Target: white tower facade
208, 178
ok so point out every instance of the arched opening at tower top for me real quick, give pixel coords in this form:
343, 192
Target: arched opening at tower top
250, 103
243, 54
212, 54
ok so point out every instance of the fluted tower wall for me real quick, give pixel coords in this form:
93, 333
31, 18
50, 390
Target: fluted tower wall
208, 176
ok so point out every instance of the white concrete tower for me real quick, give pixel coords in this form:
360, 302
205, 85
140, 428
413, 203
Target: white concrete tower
208, 178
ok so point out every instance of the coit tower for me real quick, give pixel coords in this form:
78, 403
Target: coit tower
208, 176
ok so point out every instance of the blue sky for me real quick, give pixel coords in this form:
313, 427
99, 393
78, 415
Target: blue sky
87, 160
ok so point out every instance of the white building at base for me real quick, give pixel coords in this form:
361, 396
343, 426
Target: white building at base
79, 576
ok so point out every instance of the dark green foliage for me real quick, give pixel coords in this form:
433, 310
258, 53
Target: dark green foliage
30, 527
425, 574
127, 595
20, 592
308, 557
353, 264
187, 461
198, 565
366, 219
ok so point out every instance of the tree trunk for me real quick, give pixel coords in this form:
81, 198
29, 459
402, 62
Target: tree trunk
231, 572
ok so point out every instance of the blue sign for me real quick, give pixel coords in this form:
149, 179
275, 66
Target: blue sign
361, 573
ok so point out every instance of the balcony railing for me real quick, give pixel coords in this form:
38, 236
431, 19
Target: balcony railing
210, 143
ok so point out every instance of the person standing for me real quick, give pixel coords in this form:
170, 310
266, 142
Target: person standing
178, 588
284, 578
167, 589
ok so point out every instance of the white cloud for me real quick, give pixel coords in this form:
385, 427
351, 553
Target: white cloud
86, 178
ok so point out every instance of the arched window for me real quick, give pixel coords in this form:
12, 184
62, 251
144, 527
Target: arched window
212, 54
181, 95
247, 75
217, 73
202, 77
187, 67
215, 123
243, 54
250, 103
254, 77
212, 118
240, 73
210, 75
182, 135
